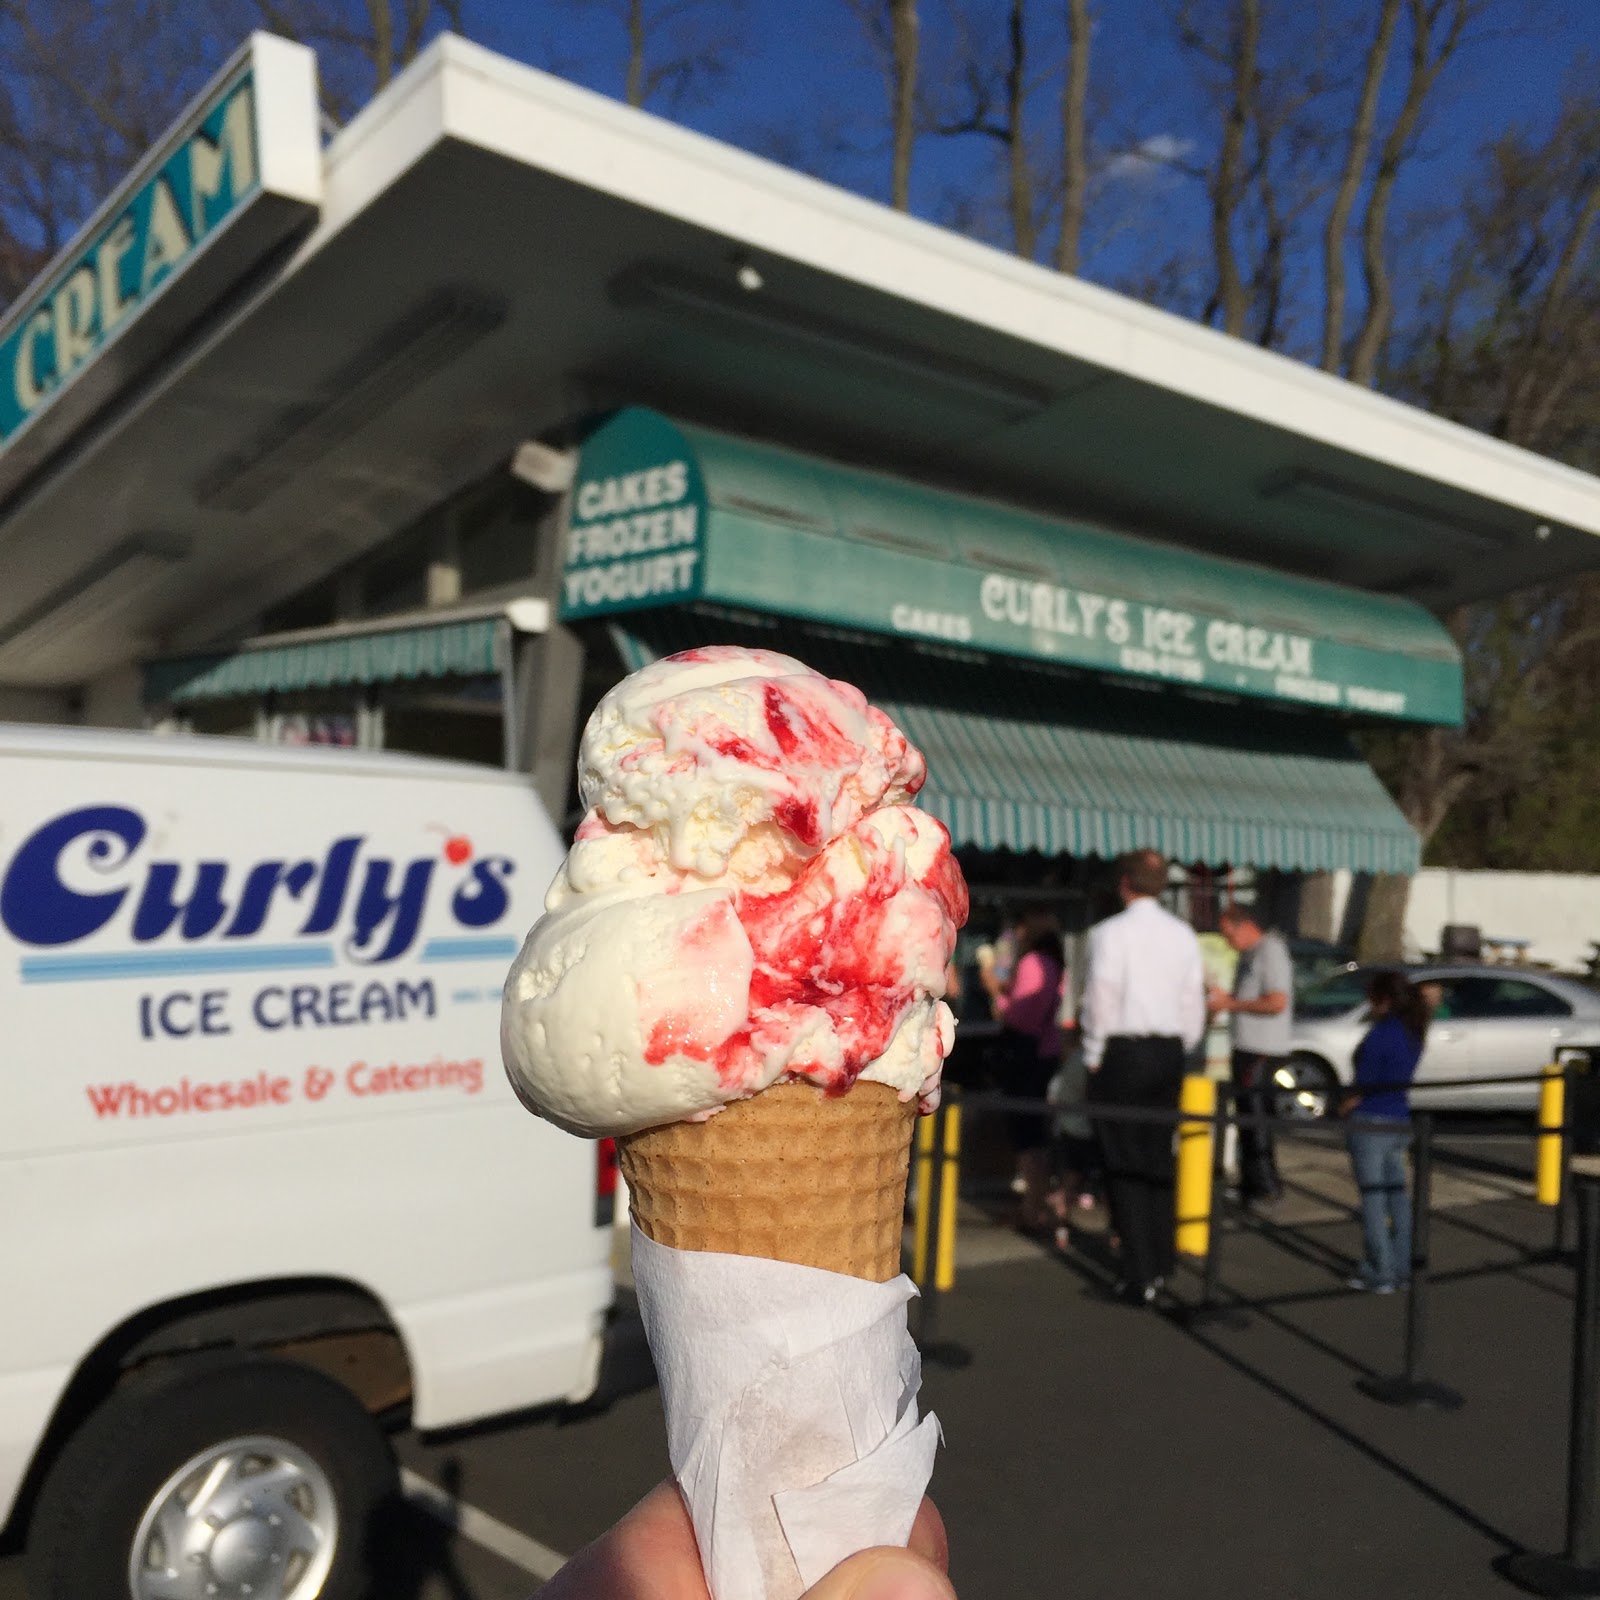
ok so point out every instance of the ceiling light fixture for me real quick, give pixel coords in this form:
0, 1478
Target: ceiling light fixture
544, 466
389, 370
90, 600
777, 321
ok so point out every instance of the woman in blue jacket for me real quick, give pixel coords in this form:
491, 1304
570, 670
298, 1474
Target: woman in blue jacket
1385, 1062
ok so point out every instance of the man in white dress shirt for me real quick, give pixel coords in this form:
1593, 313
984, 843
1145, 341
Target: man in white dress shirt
1143, 1010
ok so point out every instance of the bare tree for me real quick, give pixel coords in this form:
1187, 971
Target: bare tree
1556, 350
1437, 29
1074, 137
85, 93
905, 31
1509, 338
89, 89
1267, 173
894, 31
1350, 179
993, 97
1229, 179
360, 44
1509, 342
676, 51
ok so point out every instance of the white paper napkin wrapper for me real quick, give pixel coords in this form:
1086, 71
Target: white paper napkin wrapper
791, 1406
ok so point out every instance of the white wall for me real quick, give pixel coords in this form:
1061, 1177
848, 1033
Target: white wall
113, 700
1558, 911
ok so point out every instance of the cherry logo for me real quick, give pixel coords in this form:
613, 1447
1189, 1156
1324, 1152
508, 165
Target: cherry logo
457, 846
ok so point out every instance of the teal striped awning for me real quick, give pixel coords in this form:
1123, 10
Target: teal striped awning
464, 648
664, 514
1027, 759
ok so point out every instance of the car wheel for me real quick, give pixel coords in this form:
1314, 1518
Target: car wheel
215, 1478
1305, 1088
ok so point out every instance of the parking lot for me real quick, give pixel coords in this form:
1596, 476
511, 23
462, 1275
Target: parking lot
1099, 1452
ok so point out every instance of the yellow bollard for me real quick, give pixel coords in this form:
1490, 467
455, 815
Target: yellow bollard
919, 1253
1196, 1153
944, 1267
1552, 1109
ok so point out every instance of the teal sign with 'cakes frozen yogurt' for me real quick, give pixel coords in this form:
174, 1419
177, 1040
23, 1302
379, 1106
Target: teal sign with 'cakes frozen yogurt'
636, 530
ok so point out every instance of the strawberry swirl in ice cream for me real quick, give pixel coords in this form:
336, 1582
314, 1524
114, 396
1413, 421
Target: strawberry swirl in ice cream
749, 898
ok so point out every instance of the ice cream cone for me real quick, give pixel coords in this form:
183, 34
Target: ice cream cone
791, 1174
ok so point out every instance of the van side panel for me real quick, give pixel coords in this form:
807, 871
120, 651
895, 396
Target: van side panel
251, 1031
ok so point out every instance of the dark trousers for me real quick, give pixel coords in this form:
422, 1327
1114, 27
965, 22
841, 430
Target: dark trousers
1254, 1096
1147, 1073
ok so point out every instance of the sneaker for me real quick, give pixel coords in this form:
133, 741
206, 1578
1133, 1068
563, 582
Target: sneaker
1367, 1286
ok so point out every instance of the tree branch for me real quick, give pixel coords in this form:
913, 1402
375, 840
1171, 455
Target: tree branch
1344, 199
1426, 65
1024, 228
380, 42
905, 39
638, 38
1525, 416
1074, 138
1228, 187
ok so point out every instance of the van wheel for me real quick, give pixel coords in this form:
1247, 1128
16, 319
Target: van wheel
211, 1479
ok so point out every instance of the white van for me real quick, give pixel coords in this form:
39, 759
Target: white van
264, 1188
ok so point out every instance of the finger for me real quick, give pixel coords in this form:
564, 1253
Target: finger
928, 1536
661, 1522
886, 1574
649, 1555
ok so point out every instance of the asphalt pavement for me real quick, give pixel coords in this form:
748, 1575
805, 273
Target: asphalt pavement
1100, 1453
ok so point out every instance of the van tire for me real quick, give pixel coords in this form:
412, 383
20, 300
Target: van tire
113, 1470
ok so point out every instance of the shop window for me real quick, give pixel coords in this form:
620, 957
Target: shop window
454, 719
335, 729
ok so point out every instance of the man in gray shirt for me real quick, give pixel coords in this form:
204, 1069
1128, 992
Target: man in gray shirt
1262, 1008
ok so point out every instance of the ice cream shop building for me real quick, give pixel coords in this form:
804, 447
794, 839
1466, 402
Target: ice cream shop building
420, 435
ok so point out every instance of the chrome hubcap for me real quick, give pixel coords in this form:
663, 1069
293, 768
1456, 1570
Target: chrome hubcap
250, 1519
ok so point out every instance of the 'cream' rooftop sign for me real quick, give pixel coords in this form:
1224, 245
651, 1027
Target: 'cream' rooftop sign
239, 172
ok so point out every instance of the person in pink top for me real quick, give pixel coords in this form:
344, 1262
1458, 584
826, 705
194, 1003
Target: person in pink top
1028, 1008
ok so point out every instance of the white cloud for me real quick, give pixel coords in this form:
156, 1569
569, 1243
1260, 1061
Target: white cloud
1150, 159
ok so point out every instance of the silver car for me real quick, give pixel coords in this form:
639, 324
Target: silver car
1489, 1022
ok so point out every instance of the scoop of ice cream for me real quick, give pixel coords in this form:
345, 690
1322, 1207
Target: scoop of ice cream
748, 900
706, 747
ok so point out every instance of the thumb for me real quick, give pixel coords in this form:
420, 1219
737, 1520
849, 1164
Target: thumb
885, 1574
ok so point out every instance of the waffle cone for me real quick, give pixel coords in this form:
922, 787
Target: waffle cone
790, 1174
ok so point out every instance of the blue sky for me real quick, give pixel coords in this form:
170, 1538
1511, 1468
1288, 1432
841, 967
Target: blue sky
804, 85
